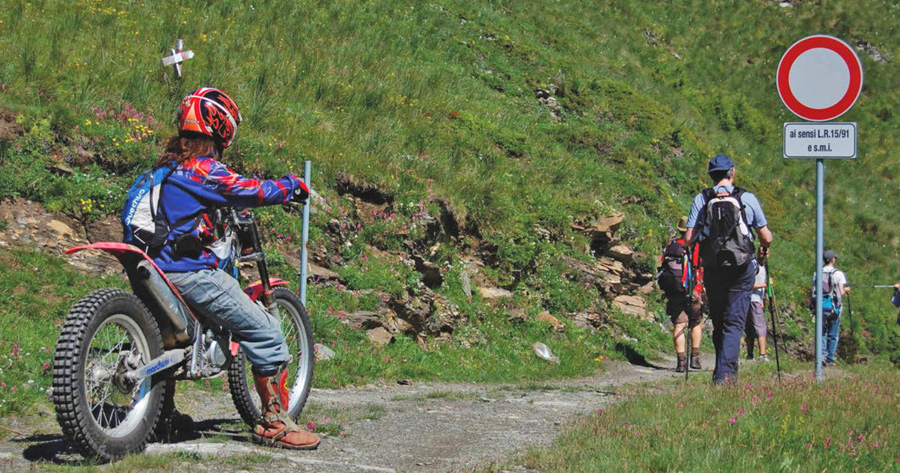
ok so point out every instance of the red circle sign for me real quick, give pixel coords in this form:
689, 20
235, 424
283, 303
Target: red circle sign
819, 78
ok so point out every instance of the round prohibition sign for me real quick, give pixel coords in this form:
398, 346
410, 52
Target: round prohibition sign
819, 78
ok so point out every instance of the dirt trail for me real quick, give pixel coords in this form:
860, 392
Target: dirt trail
425, 427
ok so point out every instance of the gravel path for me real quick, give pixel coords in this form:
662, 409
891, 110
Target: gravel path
422, 427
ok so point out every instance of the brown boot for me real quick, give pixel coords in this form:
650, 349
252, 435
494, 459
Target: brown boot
682, 362
695, 359
275, 428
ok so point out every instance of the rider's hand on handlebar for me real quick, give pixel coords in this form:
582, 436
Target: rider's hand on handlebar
300, 194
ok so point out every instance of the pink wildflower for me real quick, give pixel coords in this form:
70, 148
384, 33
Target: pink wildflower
860, 438
46, 365
804, 408
333, 380
680, 404
740, 411
875, 445
15, 350
600, 411
827, 442
769, 395
2, 384
747, 387
733, 420
755, 400
311, 426
14, 388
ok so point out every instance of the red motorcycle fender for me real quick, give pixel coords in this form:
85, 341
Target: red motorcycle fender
255, 290
126, 253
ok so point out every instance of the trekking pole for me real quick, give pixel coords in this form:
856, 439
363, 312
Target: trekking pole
881, 286
688, 339
690, 305
772, 310
850, 314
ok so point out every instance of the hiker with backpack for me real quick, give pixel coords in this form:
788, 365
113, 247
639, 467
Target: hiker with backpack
834, 288
188, 182
721, 219
685, 310
756, 318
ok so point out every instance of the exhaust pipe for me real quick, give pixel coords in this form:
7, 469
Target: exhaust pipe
168, 302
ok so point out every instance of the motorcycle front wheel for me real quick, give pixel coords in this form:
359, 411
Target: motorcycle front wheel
103, 414
297, 331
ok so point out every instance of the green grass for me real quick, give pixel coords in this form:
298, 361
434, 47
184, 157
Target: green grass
133, 463
35, 294
844, 424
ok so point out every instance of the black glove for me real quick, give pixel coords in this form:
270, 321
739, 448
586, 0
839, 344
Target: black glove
300, 194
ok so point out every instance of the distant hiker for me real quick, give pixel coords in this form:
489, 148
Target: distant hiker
721, 218
756, 318
834, 288
673, 278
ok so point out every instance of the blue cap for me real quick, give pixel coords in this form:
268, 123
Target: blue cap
719, 162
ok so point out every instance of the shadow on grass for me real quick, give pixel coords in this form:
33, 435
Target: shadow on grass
634, 357
56, 449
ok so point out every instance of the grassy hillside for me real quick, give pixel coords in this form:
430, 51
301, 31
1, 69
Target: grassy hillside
447, 103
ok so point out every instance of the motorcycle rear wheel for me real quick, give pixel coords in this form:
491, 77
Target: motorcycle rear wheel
106, 333
297, 331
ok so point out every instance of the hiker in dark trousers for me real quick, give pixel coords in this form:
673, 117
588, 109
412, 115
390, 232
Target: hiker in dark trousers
721, 218
833, 292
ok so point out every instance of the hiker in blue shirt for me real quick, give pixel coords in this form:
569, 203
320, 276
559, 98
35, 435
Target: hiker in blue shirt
726, 246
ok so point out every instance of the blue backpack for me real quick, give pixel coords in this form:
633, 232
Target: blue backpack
143, 222
831, 300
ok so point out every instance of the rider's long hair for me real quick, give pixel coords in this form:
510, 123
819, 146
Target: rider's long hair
189, 145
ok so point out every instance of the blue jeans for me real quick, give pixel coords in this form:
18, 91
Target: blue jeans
728, 293
830, 333
218, 297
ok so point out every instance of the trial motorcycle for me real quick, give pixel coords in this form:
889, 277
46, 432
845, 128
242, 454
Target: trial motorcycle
120, 353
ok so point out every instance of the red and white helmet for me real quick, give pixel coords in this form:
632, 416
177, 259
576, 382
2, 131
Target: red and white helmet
210, 112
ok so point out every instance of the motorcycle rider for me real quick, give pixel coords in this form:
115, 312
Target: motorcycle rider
207, 121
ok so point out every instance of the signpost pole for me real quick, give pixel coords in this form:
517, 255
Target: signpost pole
304, 240
819, 78
820, 248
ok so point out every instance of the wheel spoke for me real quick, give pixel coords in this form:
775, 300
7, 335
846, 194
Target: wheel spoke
115, 343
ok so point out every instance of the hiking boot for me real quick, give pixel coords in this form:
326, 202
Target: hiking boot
695, 360
764, 359
275, 428
681, 366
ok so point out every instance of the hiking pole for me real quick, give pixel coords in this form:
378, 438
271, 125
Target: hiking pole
850, 314
687, 327
772, 310
874, 287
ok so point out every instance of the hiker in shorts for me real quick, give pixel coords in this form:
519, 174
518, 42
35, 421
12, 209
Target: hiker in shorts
685, 312
833, 292
756, 318
721, 219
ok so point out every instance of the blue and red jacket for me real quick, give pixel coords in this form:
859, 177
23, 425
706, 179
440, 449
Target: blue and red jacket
199, 185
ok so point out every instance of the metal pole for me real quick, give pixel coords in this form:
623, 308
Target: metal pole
820, 249
304, 253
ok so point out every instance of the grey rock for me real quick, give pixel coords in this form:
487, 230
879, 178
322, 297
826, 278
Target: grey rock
322, 352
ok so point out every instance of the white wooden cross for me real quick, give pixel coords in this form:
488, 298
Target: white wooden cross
177, 56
